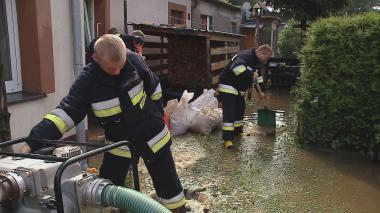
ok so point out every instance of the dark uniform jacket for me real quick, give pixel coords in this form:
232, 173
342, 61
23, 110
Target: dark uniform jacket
127, 106
237, 75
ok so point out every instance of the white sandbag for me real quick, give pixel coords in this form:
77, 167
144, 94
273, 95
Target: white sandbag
206, 120
170, 106
207, 99
182, 115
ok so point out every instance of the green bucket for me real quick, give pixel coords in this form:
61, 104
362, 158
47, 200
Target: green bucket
266, 118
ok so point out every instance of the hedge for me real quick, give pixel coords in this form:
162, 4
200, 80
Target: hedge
338, 93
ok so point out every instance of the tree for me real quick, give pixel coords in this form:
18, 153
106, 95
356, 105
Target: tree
360, 6
307, 10
289, 41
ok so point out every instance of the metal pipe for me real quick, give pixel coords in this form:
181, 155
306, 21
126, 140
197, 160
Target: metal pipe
61, 169
73, 143
12, 142
34, 156
76, 19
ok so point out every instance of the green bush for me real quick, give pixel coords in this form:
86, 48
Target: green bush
289, 41
338, 94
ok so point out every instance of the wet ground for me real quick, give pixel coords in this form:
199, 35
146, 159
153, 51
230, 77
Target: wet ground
271, 173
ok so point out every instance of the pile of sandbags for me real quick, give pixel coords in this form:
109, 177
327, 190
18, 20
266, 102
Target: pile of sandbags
200, 116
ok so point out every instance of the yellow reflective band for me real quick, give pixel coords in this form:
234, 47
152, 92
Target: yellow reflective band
176, 204
107, 112
138, 97
239, 69
228, 91
120, 153
142, 103
157, 146
228, 128
59, 123
156, 97
238, 123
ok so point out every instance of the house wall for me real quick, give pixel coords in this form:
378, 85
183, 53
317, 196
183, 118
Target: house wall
153, 11
117, 14
186, 3
147, 11
27, 114
221, 16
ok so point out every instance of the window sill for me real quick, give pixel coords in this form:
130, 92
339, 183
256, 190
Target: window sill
20, 97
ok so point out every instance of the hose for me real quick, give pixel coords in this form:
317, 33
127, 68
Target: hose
130, 200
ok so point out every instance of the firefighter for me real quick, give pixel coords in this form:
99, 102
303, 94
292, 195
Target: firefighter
236, 78
125, 97
134, 42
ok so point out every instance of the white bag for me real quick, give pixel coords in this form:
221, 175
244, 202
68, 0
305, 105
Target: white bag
206, 120
207, 99
182, 115
170, 106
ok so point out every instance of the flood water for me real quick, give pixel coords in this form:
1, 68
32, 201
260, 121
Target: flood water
270, 173
274, 174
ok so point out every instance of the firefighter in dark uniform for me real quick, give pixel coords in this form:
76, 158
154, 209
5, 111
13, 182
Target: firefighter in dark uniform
125, 97
133, 42
236, 78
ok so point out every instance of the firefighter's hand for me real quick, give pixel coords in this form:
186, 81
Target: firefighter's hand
25, 149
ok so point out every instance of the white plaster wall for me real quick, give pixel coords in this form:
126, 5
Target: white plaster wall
25, 115
147, 11
117, 14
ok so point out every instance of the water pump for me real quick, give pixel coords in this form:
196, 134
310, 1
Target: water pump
35, 183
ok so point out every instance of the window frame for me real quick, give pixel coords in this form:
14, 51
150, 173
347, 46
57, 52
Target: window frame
14, 85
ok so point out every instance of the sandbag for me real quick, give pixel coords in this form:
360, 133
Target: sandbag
182, 115
206, 120
207, 99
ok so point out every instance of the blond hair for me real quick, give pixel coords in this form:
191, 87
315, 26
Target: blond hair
265, 49
110, 46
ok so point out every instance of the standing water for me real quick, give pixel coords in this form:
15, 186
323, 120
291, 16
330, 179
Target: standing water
270, 173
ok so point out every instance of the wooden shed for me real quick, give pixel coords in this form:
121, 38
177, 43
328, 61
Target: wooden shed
188, 58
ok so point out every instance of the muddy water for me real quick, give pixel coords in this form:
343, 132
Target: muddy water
270, 173
273, 174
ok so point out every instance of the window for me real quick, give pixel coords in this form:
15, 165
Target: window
177, 17
233, 27
206, 22
177, 14
9, 46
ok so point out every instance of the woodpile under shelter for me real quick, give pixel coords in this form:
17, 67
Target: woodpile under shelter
189, 59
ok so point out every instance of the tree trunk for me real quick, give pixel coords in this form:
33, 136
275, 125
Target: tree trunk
5, 132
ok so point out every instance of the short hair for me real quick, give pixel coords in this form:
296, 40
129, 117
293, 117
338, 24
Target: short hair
138, 33
111, 46
265, 49
112, 30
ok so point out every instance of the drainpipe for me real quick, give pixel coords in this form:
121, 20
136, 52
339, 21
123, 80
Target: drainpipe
76, 21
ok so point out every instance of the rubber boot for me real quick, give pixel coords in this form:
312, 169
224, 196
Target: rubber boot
228, 144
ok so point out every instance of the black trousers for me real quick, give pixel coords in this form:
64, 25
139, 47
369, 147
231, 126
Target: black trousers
233, 112
161, 169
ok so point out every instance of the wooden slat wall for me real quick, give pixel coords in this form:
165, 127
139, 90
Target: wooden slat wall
156, 56
223, 54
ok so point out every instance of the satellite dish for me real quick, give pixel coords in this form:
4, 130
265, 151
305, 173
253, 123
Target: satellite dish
245, 13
